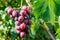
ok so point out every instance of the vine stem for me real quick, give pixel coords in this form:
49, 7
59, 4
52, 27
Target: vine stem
54, 22
47, 29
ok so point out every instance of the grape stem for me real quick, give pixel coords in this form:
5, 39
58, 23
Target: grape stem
47, 29
21, 3
22, 39
20, 6
29, 3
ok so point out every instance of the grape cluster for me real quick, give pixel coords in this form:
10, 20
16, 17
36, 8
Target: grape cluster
22, 19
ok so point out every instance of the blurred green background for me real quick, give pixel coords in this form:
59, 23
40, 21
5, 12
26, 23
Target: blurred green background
48, 10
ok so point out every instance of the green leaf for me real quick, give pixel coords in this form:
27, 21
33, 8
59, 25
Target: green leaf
57, 1
13, 35
38, 5
59, 20
51, 6
35, 26
43, 8
58, 33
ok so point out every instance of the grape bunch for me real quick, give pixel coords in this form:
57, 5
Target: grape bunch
22, 19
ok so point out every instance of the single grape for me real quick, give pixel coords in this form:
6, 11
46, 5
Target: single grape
17, 23
27, 26
27, 29
22, 34
28, 8
10, 10
22, 26
28, 13
26, 21
26, 16
23, 12
18, 13
29, 22
20, 19
14, 14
